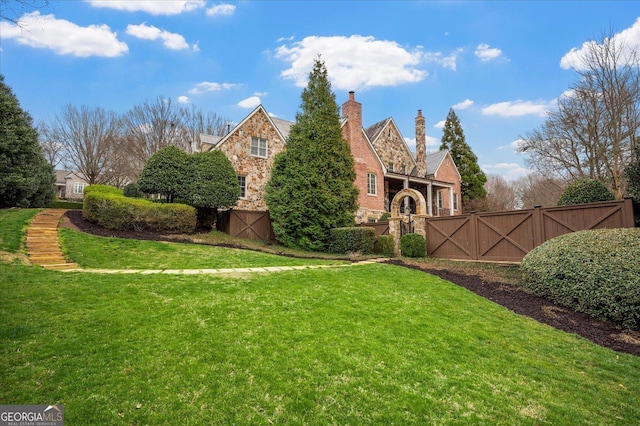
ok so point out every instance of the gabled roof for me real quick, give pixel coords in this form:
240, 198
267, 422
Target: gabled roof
435, 159
283, 127
374, 130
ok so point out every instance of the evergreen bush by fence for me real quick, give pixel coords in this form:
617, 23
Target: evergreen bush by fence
352, 239
413, 245
108, 207
595, 271
386, 245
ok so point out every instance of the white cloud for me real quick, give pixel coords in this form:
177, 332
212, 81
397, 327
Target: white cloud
183, 99
467, 103
509, 171
153, 7
207, 86
513, 146
196, 46
221, 9
626, 42
518, 108
487, 53
439, 124
411, 143
354, 62
450, 61
64, 37
281, 39
171, 41
431, 141
250, 102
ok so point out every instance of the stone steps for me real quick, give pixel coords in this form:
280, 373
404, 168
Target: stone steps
43, 247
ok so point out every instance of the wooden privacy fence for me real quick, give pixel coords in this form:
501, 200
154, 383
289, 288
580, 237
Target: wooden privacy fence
253, 225
509, 236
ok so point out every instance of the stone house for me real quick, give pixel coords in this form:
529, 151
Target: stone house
69, 185
384, 164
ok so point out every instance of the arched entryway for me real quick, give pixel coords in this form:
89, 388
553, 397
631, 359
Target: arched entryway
419, 218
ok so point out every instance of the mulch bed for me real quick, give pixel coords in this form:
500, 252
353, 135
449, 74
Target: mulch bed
510, 296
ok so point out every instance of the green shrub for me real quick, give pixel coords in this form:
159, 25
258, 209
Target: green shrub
131, 190
386, 245
585, 191
352, 239
413, 245
60, 204
108, 207
385, 217
596, 272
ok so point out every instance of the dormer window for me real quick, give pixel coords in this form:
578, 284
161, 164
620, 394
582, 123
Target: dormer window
258, 147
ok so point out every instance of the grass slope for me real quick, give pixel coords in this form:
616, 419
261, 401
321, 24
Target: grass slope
374, 344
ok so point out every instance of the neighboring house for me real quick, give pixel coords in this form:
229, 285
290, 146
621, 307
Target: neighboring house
69, 185
383, 163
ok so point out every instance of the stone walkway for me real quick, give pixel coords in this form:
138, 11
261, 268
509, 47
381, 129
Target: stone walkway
43, 248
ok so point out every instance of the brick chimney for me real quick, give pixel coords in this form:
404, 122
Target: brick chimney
421, 145
352, 130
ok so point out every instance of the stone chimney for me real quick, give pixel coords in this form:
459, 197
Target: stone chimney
352, 130
421, 145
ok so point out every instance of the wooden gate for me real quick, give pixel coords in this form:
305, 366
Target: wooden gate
253, 225
509, 236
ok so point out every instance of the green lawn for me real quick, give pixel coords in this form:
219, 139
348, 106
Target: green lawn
116, 253
370, 344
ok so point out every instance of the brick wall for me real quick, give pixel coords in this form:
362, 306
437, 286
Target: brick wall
365, 161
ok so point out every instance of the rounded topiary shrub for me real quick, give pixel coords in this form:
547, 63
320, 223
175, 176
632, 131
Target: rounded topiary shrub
596, 272
585, 191
413, 245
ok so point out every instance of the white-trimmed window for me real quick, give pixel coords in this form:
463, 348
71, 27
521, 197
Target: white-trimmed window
371, 184
390, 167
242, 181
440, 200
455, 201
258, 147
78, 188
404, 169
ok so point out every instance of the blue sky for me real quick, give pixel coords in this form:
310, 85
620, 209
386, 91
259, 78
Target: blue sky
499, 64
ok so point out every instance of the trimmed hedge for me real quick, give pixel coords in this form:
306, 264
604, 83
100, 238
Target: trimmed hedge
61, 204
386, 245
595, 272
413, 245
108, 207
352, 239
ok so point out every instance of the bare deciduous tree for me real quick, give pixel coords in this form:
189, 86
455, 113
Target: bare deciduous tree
52, 148
592, 133
90, 138
151, 126
537, 190
500, 194
196, 122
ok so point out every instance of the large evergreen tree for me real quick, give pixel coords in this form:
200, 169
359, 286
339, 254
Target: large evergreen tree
473, 178
311, 187
26, 178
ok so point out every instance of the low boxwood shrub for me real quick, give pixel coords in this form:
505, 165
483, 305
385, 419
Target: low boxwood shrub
413, 245
595, 272
108, 207
386, 245
356, 239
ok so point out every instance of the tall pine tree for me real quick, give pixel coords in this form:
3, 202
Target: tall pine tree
311, 188
26, 179
473, 178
